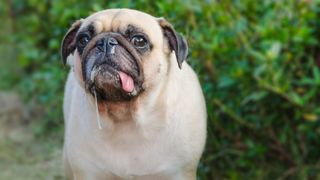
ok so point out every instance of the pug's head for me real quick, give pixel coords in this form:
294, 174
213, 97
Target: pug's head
120, 53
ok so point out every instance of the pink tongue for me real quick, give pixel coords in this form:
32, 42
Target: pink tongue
126, 82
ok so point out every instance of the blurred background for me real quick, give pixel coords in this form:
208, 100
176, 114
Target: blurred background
258, 63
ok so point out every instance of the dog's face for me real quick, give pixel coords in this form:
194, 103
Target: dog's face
120, 53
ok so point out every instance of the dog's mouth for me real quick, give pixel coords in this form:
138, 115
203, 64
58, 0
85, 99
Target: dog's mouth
112, 73
123, 80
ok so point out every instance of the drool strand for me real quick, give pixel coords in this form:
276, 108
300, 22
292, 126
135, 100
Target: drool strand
97, 111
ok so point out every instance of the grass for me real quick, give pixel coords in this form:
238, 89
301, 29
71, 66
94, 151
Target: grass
22, 157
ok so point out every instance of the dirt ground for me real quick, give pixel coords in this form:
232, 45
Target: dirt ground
22, 156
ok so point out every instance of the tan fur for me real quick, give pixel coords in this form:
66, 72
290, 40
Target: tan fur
159, 135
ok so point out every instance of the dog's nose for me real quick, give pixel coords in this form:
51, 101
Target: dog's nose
107, 44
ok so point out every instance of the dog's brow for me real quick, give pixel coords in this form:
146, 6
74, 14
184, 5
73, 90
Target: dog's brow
90, 29
131, 29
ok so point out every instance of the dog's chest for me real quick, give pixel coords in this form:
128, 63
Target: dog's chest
126, 153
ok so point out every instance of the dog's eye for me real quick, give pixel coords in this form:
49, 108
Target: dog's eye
139, 41
83, 40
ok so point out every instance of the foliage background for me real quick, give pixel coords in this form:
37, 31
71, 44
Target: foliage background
258, 62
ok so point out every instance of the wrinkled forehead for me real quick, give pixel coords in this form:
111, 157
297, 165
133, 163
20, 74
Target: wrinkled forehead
115, 20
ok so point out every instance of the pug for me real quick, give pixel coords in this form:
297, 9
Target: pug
133, 107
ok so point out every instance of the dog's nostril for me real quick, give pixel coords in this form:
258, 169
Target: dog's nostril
100, 44
112, 41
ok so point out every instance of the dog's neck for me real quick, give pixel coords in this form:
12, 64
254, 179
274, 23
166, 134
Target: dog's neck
117, 111
136, 111
127, 111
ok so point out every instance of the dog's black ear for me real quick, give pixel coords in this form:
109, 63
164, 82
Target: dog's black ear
177, 42
68, 44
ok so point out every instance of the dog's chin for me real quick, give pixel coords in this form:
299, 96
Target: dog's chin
109, 84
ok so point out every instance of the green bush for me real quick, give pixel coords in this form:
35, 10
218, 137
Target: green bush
258, 62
